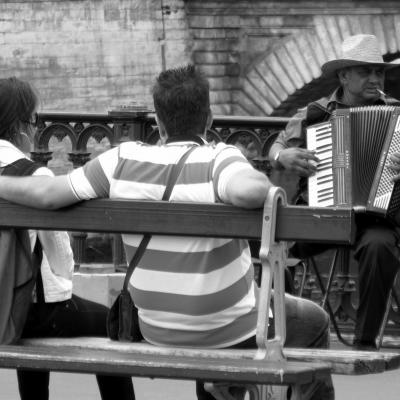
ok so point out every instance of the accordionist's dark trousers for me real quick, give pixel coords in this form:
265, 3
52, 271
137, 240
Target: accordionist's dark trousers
378, 255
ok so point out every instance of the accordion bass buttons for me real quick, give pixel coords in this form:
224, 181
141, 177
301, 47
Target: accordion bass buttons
339, 161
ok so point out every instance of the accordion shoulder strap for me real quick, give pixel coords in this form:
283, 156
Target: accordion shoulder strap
317, 111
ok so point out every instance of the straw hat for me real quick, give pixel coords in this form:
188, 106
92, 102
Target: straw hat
357, 50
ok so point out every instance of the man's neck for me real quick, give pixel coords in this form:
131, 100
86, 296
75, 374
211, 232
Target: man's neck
186, 138
350, 100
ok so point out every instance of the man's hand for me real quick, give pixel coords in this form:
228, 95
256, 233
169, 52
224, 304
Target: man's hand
301, 161
395, 166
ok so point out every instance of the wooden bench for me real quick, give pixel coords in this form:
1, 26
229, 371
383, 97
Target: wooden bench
271, 364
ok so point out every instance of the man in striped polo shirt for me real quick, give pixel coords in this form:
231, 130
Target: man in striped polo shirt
189, 291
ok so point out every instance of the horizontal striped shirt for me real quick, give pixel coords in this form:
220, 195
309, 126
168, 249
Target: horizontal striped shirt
190, 291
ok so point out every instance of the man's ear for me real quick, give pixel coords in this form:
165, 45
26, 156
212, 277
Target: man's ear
342, 76
161, 130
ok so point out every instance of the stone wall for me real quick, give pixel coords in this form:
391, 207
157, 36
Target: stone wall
90, 55
261, 57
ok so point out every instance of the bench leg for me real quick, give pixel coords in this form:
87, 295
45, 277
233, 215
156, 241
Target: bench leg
231, 391
305, 392
221, 391
296, 393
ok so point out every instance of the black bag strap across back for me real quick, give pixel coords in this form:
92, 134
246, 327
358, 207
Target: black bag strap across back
176, 170
37, 257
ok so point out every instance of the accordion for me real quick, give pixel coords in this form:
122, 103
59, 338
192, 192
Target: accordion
354, 148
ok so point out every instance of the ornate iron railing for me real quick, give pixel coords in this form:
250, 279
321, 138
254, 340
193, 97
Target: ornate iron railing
253, 134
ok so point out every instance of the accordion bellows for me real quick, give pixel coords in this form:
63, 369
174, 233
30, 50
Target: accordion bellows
354, 148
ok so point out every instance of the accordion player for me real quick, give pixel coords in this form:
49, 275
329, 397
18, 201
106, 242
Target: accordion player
354, 148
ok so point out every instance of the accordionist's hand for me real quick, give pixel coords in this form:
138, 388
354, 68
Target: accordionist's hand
301, 161
395, 166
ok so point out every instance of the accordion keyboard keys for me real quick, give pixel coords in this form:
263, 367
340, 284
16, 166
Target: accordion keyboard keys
320, 185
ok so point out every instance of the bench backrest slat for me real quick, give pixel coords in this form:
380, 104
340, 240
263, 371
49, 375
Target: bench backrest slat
330, 225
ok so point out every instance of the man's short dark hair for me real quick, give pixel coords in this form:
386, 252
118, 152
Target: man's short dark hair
182, 100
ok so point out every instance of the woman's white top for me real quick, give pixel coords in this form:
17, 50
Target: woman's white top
58, 262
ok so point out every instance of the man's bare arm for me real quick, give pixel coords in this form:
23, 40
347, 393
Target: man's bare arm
248, 189
44, 192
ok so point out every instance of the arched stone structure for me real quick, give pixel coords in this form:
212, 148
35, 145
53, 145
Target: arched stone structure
289, 75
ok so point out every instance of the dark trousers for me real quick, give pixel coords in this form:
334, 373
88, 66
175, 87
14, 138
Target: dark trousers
74, 317
307, 326
378, 257
377, 253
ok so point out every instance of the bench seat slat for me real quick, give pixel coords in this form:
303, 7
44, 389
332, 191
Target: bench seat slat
74, 359
346, 362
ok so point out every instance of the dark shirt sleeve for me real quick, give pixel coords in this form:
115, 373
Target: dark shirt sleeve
294, 133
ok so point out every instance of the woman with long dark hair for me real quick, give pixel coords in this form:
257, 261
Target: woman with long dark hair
54, 311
